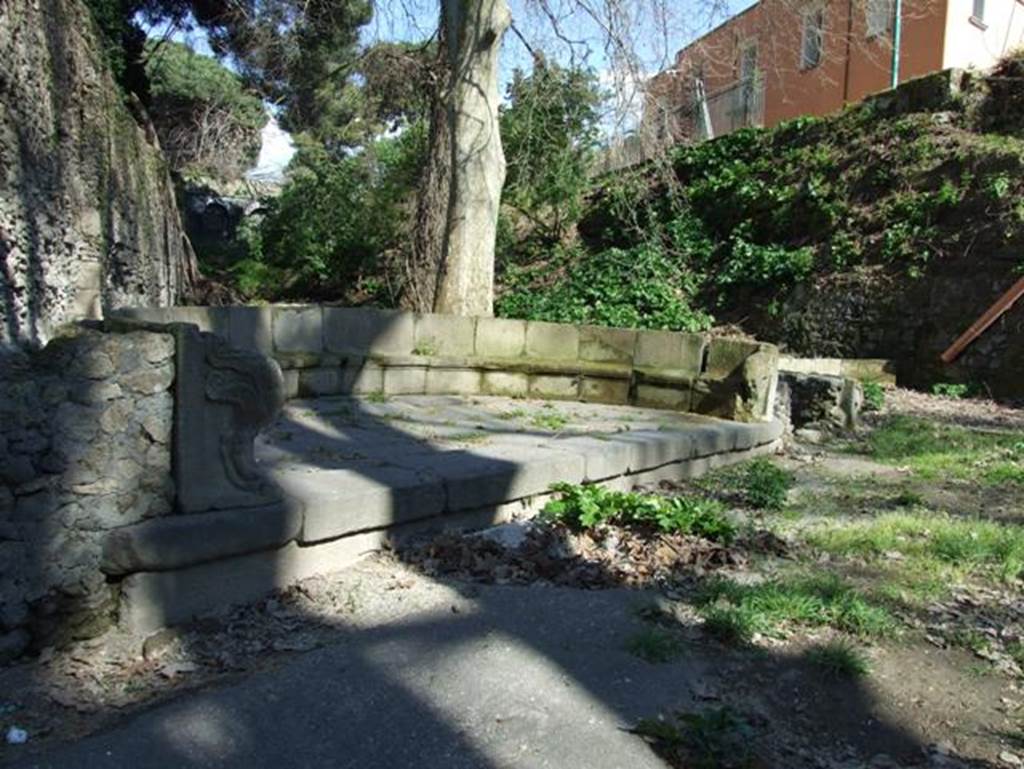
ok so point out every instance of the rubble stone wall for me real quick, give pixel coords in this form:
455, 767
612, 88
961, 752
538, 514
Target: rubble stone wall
88, 218
85, 448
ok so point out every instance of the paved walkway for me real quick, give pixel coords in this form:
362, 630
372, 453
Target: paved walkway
427, 676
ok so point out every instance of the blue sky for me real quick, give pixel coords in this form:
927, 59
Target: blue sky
623, 43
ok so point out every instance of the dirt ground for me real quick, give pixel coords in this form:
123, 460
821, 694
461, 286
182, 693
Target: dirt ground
940, 687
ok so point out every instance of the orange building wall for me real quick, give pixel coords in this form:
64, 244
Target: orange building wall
852, 67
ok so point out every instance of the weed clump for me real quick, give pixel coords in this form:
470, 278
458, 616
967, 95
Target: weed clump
588, 506
874, 396
717, 738
766, 485
655, 645
839, 658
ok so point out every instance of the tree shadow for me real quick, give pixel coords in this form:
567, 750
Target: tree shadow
425, 689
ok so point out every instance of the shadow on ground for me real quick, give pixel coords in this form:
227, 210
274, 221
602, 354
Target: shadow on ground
465, 675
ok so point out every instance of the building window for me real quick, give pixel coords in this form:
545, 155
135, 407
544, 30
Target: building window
813, 38
978, 12
748, 62
879, 17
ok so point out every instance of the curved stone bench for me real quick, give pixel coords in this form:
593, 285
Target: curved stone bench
234, 538
325, 350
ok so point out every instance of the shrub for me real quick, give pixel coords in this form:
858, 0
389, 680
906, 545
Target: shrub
638, 287
336, 216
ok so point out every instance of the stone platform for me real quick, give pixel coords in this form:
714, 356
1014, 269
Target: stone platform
361, 471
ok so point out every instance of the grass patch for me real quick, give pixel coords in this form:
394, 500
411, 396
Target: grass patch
655, 645
759, 483
586, 506
735, 612
466, 437
376, 397
512, 414
765, 485
839, 658
713, 739
550, 421
971, 544
935, 451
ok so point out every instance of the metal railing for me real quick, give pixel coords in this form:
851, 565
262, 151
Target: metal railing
739, 105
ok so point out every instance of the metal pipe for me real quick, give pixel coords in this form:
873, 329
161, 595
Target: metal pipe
897, 35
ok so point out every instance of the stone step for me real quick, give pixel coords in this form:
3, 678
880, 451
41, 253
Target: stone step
358, 474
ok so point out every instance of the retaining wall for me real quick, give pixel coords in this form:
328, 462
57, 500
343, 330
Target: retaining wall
85, 431
326, 350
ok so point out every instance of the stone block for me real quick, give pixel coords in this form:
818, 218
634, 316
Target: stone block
726, 357
869, 370
319, 381
508, 384
500, 338
654, 448
341, 501
177, 541
290, 383
553, 386
152, 600
711, 437
405, 380
220, 321
597, 390
604, 457
444, 335
297, 360
721, 402
552, 341
360, 377
760, 381
653, 396
223, 397
198, 316
821, 366
492, 475
607, 345
249, 328
670, 350
298, 329
145, 314
442, 381
368, 331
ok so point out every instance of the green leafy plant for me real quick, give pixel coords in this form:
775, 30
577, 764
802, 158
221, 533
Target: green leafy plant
638, 287
765, 485
951, 390
874, 396
551, 421
587, 506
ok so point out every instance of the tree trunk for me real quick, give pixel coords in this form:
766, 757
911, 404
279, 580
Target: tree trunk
423, 268
458, 213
